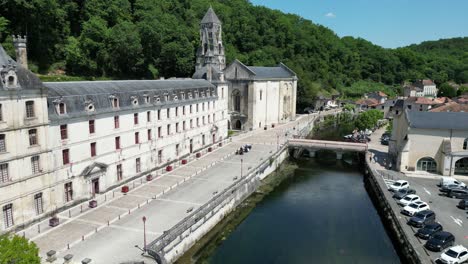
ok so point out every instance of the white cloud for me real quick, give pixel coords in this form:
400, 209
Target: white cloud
330, 15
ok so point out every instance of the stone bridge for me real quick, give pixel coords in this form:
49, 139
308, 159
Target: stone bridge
299, 145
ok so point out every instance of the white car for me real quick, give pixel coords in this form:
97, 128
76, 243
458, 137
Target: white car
398, 185
415, 207
408, 199
457, 254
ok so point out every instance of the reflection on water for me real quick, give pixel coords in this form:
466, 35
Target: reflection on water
321, 215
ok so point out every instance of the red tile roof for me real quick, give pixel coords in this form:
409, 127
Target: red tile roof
451, 107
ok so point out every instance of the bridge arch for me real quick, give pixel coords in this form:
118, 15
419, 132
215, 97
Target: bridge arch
426, 164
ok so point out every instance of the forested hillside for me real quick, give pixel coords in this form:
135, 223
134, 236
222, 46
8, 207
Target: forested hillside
153, 38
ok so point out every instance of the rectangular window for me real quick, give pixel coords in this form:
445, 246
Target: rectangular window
63, 132
2, 143
137, 137
1, 113
66, 156
214, 117
117, 143
203, 106
116, 122
68, 192
32, 137
62, 108
222, 92
160, 156
135, 118
35, 164
191, 123
159, 132
198, 122
93, 149
168, 129
30, 109
197, 108
148, 116
177, 127
8, 215
183, 126
119, 172
159, 114
4, 177
38, 204
203, 118
138, 165
183, 110
168, 111
91, 127
115, 102
149, 134
190, 108
177, 149
177, 111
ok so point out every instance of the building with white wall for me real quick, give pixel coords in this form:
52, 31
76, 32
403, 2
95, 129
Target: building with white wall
62, 143
435, 142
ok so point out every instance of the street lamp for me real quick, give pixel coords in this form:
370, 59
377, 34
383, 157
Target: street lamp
241, 167
144, 233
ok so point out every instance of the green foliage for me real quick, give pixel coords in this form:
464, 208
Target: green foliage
18, 250
447, 90
349, 107
153, 38
462, 90
368, 119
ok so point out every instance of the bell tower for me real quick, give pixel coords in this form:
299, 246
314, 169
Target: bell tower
211, 52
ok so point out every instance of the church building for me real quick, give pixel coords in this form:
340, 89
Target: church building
258, 97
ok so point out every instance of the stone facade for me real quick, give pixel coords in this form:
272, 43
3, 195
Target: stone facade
430, 141
63, 143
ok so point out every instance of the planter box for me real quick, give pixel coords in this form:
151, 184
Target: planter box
149, 177
210, 149
92, 204
125, 189
169, 168
54, 221
198, 155
184, 161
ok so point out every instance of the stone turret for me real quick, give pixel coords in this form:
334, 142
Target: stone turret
211, 42
21, 50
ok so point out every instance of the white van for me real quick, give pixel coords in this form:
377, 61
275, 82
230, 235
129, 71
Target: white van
449, 180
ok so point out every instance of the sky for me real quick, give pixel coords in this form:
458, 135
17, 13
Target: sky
388, 23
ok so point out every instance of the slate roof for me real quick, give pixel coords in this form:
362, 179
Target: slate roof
78, 95
210, 17
271, 72
437, 120
26, 79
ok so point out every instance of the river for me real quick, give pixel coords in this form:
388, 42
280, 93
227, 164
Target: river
321, 215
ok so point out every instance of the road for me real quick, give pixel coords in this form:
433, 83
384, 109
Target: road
453, 219
112, 232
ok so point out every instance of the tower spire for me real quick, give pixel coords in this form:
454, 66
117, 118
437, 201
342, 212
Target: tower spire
211, 50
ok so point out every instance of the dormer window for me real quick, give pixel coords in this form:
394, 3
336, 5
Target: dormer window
62, 108
134, 100
147, 99
166, 97
190, 95
196, 94
114, 101
11, 81
176, 98
157, 99
182, 96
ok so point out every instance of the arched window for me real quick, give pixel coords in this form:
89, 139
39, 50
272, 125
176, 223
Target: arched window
465, 144
11, 81
427, 164
236, 100
461, 166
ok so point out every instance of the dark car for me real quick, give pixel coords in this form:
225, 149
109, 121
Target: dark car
384, 141
403, 192
463, 204
447, 188
422, 218
428, 230
460, 193
440, 241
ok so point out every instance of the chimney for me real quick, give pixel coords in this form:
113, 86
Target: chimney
21, 51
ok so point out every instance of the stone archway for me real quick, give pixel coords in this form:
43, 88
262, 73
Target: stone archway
461, 166
238, 125
427, 164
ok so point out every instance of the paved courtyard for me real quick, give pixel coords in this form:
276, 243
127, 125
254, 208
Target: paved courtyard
111, 232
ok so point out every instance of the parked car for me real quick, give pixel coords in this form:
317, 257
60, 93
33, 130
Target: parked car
422, 218
408, 199
385, 141
448, 187
403, 192
428, 230
398, 185
440, 241
457, 254
463, 204
450, 180
459, 193
415, 207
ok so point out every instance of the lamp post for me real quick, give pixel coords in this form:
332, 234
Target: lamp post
241, 167
144, 233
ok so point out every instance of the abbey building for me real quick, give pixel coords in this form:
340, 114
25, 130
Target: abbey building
62, 143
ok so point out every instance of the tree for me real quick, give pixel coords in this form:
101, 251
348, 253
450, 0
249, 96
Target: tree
447, 90
349, 107
463, 90
368, 119
18, 250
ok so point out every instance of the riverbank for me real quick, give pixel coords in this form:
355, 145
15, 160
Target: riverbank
204, 248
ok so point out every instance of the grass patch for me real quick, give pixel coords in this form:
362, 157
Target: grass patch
201, 251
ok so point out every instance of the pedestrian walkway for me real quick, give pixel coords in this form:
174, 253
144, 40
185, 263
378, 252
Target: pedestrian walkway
113, 232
